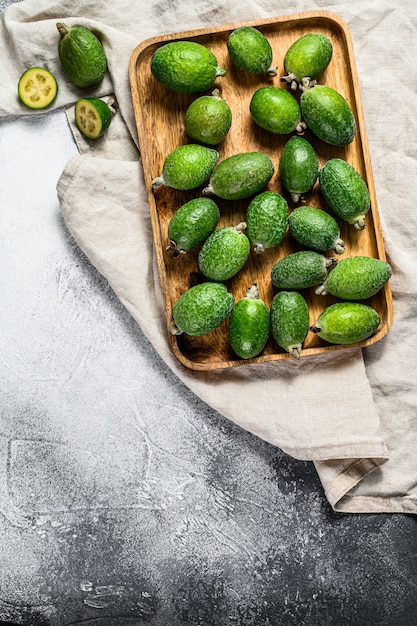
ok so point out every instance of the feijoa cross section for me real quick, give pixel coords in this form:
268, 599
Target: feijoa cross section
37, 88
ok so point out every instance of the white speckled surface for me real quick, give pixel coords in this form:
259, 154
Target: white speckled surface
125, 500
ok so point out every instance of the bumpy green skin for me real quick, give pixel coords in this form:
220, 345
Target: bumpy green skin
290, 321
187, 167
315, 229
356, 278
300, 270
201, 309
240, 176
345, 192
82, 56
266, 220
276, 110
298, 167
224, 253
249, 324
208, 120
328, 115
308, 57
251, 51
185, 67
192, 223
346, 323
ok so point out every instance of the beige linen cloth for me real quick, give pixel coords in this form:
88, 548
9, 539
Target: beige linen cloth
353, 413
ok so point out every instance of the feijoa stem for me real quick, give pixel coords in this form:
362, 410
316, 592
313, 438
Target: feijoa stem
62, 29
295, 350
157, 182
272, 71
252, 293
173, 329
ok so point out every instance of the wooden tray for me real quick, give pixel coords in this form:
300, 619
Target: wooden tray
160, 125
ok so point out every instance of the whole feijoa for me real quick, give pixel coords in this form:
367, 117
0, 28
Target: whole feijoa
345, 191
306, 59
290, 321
224, 252
302, 269
201, 309
240, 175
346, 322
298, 167
191, 224
208, 119
251, 51
276, 110
185, 67
266, 220
315, 229
187, 167
82, 55
328, 115
356, 278
249, 324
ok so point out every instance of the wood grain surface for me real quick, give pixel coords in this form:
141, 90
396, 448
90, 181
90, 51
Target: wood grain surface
160, 125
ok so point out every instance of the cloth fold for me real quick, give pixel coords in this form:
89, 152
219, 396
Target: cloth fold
330, 408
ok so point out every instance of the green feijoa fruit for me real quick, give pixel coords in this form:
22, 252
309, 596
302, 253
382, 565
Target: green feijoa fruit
298, 167
185, 67
224, 252
276, 110
290, 321
249, 324
251, 51
82, 55
328, 115
92, 117
301, 269
345, 192
266, 220
315, 229
187, 167
356, 278
306, 59
208, 119
191, 224
201, 309
240, 175
346, 322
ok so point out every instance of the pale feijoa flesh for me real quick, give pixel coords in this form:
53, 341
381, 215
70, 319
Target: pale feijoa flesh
82, 55
185, 67
306, 59
208, 119
276, 110
249, 324
300, 270
37, 88
290, 320
328, 115
224, 252
92, 116
346, 323
201, 309
315, 229
240, 175
345, 191
356, 278
251, 51
298, 167
191, 224
266, 220
187, 167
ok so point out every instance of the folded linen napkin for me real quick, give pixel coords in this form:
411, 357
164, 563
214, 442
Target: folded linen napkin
351, 412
